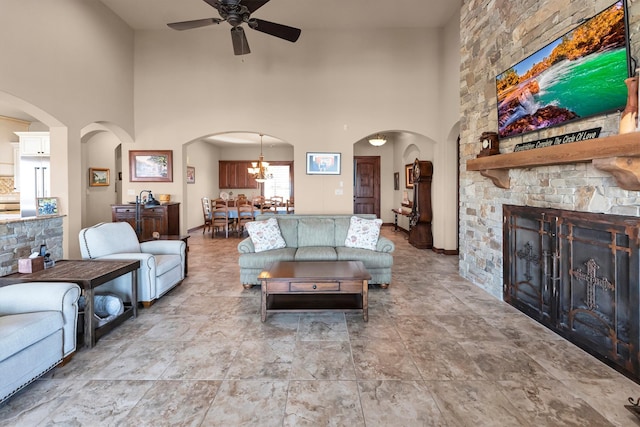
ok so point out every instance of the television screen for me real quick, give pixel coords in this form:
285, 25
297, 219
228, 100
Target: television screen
580, 74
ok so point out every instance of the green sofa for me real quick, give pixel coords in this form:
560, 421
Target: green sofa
315, 238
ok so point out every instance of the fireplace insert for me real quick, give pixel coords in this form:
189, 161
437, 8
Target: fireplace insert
577, 273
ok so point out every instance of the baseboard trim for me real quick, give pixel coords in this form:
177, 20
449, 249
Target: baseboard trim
445, 251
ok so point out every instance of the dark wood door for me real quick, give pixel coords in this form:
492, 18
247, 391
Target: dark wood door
366, 185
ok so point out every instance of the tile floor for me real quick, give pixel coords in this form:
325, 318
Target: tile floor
437, 351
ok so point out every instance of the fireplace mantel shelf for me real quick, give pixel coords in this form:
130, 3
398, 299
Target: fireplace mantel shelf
618, 154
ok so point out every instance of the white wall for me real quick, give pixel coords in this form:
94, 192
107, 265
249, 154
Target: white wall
204, 158
70, 63
99, 151
324, 93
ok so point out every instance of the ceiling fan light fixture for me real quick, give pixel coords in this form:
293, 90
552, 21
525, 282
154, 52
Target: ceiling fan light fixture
378, 140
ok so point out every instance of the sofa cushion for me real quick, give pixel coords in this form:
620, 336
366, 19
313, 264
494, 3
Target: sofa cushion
19, 331
316, 232
165, 263
316, 253
341, 224
370, 259
265, 235
363, 233
261, 260
289, 230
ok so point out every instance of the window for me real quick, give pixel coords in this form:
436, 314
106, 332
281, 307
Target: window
282, 182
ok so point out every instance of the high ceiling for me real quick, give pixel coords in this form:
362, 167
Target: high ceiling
309, 14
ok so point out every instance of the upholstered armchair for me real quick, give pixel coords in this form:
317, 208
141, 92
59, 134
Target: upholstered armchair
38, 324
162, 262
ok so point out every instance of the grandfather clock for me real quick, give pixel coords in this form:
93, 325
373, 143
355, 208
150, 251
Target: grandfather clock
420, 234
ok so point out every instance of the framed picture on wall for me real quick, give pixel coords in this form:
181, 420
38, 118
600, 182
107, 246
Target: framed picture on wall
46, 206
408, 175
323, 163
151, 166
98, 177
396, 181
191, 175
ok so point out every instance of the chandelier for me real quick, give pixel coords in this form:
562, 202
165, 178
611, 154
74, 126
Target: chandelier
377, 140
260, 170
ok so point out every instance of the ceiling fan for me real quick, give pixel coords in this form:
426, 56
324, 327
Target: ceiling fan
237, 12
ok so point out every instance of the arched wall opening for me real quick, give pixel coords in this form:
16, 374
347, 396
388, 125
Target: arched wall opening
101, 144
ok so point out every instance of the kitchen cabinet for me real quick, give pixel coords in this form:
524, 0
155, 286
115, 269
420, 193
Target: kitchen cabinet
165, 219
34, 143
234, 175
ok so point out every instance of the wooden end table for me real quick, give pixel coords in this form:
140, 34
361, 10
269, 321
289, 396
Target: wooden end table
88, 274
295, 286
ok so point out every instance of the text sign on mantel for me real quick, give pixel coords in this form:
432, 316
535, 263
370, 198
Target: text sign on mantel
582, 135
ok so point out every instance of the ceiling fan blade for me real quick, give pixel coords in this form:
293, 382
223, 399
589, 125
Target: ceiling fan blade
253, 5
278, 30
239, 39
213, 3
187, 25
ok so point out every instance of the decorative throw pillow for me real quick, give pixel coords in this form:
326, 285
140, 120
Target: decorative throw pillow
363, 233
265, 235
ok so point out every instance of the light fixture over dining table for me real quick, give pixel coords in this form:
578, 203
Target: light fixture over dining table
260, 170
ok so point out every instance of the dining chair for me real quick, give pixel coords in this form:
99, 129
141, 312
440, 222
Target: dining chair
241, 200
206, 213
221, 219
276, 202
259, 202
245, 215
290, 205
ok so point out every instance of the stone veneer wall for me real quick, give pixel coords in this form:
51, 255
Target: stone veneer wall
496, 34
19, 237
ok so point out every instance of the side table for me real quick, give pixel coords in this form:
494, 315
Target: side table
88, 274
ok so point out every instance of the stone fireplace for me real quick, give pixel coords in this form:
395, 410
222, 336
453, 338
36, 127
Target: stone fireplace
494, 36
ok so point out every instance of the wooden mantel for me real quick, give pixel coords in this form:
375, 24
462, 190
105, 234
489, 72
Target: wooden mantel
617, 154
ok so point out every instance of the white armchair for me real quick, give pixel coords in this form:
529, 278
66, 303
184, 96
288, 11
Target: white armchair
38, 324
162, 262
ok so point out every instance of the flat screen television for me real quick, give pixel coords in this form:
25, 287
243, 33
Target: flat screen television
578, 75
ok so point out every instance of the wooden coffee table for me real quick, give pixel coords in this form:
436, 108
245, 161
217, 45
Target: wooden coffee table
296, 286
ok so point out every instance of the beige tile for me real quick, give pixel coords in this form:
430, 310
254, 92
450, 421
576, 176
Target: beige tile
323, 360
248, 403
475, 403
399, 403
172, 403
323, 327
323, 403
383, 360
550, 403
262, 360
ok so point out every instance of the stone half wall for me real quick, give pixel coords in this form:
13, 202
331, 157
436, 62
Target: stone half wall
496, 34
18, 238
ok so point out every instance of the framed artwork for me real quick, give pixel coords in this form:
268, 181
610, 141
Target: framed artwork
323, 163
46, 206
396, 180
98, 177
408, 175
191, 175
151, 166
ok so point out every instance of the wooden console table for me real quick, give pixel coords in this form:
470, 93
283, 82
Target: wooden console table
88, 274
